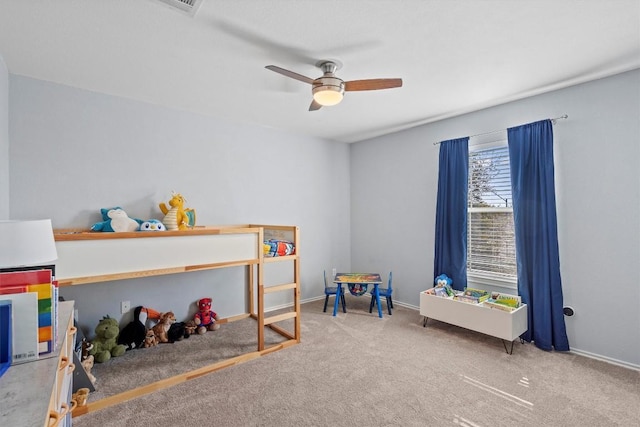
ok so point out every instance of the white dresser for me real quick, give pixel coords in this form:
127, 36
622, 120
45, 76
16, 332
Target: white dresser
39, 393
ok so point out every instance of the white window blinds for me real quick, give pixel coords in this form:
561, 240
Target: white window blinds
491, 251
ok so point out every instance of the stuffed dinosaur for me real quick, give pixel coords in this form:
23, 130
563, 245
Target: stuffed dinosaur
115, 219
105, 344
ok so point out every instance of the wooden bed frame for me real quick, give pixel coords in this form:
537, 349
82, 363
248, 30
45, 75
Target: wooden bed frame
89, 257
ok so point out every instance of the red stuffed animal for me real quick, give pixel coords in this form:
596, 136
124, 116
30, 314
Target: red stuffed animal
205, 319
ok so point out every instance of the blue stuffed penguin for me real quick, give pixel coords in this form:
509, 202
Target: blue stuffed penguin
152, 225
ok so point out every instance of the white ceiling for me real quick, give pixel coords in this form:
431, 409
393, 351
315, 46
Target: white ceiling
454, 56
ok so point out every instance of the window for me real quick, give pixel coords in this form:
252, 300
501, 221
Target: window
491, 249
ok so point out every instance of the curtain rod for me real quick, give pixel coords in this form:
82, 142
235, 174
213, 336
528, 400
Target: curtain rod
564, 116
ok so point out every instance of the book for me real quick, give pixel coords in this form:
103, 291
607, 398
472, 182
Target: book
40, 282
441, 292
24, 277
13, 290
473, 295
46, 318
514, 301
5, 336
479, 294
491, 303
24, 326
56, 295
466, 298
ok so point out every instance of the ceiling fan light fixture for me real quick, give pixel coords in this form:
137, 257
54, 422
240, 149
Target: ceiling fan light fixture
328, 91
327, 96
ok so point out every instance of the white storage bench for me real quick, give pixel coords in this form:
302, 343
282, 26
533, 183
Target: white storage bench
507, 326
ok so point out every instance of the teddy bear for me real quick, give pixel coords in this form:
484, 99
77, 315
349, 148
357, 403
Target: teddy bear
161, 329
205, 318
115, 219
80, 397
150, 339
190, 327
87, 364
105, 344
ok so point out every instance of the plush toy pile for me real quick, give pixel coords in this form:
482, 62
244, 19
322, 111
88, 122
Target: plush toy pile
110, 342
176, 217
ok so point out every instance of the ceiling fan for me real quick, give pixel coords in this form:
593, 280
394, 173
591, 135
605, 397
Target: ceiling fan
329, 90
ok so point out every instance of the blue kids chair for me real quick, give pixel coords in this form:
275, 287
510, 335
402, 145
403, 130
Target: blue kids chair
332, 290
384, 292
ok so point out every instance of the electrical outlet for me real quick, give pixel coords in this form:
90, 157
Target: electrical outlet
333, 272
125, 306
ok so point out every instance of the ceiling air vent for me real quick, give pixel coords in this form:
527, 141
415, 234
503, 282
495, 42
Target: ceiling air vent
190, 7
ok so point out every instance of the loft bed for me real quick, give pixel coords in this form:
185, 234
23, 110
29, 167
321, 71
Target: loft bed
91, 257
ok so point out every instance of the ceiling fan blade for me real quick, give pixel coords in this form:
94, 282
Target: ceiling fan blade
289, 74
372, 84
314, 106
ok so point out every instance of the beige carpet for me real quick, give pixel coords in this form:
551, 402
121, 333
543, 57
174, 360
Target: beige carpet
358, 370
146, 365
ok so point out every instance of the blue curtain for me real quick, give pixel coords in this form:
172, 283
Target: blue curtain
451, 212
534, 212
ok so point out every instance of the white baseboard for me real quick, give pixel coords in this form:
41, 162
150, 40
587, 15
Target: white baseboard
402, 304
312, 299
290, 304
605, 359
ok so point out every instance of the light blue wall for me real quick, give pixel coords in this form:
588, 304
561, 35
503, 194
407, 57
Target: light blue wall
393, 197
4, 140
73, 152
